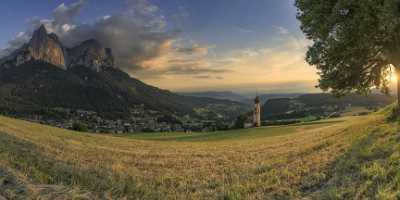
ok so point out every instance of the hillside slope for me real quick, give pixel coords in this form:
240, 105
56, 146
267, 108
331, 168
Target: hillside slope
43, 75
319, 104
35, 86
370, 169
314, 160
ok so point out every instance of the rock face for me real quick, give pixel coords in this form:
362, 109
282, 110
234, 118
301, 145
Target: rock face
42, 46
48, 48
92, 54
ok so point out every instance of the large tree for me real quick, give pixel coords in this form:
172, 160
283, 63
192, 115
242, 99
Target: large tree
356, 43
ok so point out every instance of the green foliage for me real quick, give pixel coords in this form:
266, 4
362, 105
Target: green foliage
316, 104
77, 126
238, 134
239, 122
354, 42
394, 114
370, 170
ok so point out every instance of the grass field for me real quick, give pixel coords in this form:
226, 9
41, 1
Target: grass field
346, 158
354, 110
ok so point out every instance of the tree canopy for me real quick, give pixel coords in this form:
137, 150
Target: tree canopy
355, 43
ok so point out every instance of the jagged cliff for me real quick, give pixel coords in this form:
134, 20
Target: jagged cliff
92, 54
45, 47
48, 48
42, 46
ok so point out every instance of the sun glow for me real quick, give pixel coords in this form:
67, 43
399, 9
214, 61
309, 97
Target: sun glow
393, 78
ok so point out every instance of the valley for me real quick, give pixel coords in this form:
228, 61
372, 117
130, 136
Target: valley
295, 161
47, 82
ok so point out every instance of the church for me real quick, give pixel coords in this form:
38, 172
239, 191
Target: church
257, 112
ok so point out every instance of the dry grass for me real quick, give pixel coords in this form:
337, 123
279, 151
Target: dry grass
287, 162
356, 110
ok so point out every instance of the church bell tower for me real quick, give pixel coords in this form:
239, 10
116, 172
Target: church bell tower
257, 112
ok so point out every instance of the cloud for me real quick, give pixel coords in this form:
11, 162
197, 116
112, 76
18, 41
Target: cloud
208, 77
287, 52
181, 59
281, 30
202, 76
164, 67
60, 23
137, 33
64, 14
147, 46
14, 44
279, 61
250, 88
194, 49
278, 66
192, 69
131, 42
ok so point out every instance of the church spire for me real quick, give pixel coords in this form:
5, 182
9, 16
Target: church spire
257, 111
257, 99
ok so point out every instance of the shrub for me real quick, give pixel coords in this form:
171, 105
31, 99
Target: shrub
81, 127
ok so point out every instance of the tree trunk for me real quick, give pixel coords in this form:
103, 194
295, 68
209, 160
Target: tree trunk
398, 85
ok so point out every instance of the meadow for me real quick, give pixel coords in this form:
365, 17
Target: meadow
345, 158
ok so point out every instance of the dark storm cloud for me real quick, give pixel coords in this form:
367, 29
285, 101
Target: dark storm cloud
136, 34
131, 42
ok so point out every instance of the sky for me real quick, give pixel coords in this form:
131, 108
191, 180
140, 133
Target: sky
179, 45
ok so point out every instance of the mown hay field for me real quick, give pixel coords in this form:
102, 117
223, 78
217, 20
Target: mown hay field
283, 162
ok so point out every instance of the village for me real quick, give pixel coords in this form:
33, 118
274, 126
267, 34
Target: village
147, 120
141, 120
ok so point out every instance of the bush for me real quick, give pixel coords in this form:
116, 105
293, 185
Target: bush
394, 114
81, 127
239, 123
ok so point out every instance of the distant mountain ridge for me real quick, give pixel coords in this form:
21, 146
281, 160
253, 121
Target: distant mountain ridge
247, 99
44, 74
317, 104
226, 95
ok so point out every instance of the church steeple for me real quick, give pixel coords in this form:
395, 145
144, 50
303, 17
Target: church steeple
257, 99
257, 111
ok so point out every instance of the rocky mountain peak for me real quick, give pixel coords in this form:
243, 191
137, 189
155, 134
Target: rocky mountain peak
91, 53
41, 32
46, 47
92, 43
42, 47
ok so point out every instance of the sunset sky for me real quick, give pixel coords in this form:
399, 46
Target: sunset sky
180, 45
